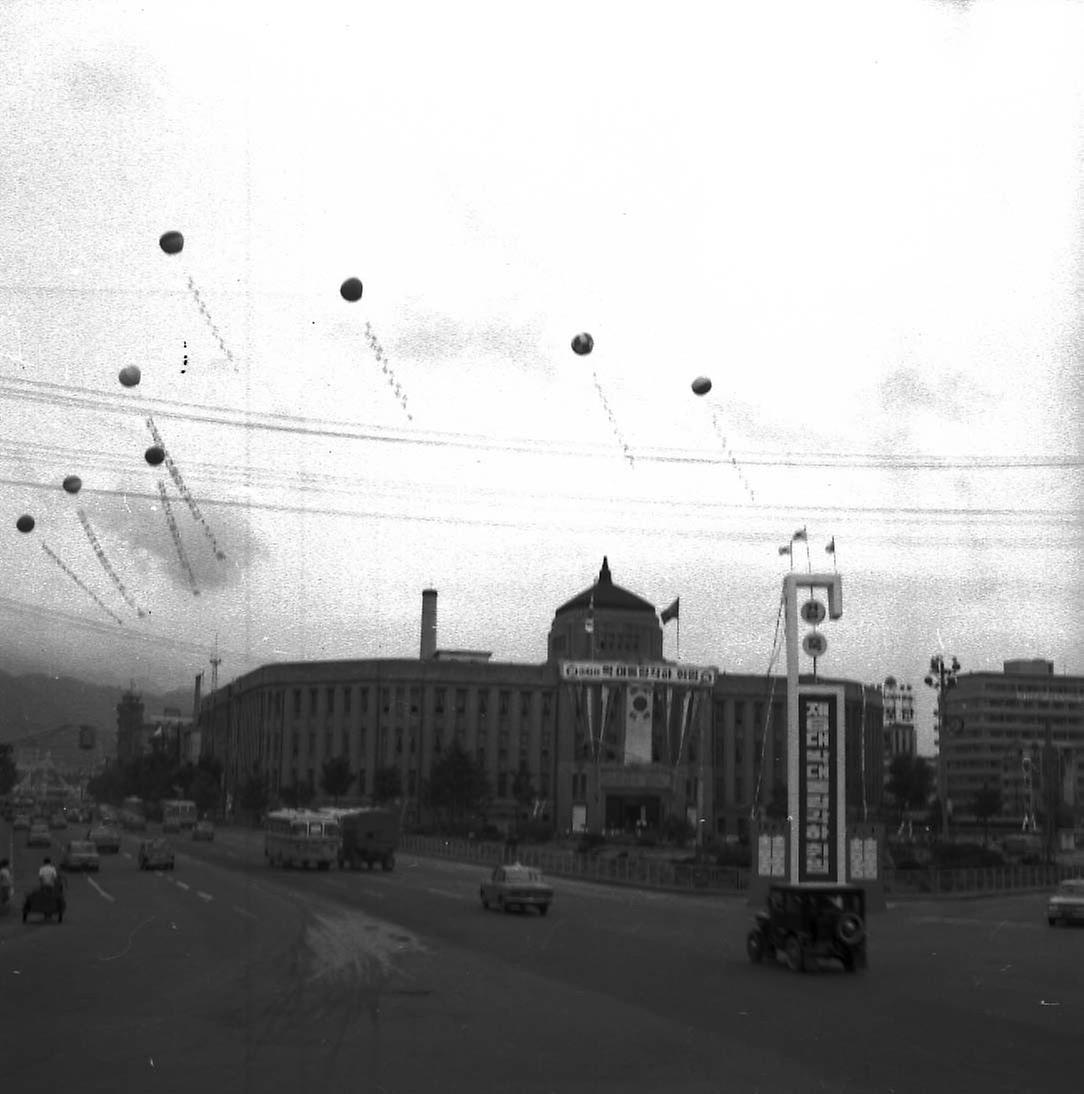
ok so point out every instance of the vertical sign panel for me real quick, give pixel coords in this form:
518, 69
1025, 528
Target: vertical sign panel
820, 816
639, 707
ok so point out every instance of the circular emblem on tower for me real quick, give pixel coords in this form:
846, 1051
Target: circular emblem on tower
813, 611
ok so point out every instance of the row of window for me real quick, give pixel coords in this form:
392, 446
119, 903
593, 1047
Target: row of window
402, 696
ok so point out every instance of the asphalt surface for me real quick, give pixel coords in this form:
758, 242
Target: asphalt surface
225, 975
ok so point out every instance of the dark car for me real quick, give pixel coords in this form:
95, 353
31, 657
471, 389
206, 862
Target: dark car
155, 854
807, 924
105, 838
38, 836
204, 830
81, 855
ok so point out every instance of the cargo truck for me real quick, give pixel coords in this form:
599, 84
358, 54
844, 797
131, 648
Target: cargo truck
369, 836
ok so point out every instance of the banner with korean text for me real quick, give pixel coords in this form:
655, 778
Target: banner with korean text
822, 784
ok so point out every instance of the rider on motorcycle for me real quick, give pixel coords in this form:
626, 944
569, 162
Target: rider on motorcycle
47, 874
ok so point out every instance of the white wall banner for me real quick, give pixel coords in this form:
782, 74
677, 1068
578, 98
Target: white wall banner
655, 673
639, 705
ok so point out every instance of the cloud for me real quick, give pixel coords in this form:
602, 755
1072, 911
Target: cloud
145, 541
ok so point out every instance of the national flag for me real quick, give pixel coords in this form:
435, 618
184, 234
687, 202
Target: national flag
831, 548
670, 613
785, 550
800, 534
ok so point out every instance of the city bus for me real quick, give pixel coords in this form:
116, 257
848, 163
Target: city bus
178, 815
301, 837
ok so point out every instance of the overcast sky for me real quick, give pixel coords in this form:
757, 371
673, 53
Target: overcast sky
863, 222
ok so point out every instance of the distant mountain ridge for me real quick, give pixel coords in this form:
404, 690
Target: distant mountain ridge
37, 702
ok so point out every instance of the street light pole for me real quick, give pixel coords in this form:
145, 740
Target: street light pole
942, 677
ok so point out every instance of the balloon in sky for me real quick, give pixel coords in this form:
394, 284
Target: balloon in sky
583, 344
25, 523
155, 455
351, 289
129, 375
172, 243
701, 385
73, 484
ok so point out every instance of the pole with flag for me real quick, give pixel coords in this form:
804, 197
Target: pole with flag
830, 549
801, 537
788, 549
673, 612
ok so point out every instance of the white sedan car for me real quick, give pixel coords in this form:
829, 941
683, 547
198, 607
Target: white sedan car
1066, 903
516, 886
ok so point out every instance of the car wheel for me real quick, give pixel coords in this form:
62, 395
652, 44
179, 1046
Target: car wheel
501, 906
543, 909
1052, 920
794, 955
849, 929
26, 912
754, 947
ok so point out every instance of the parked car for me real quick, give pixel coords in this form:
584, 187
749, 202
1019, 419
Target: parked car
21, 822
204, 830
516, 886
81, 855
105, 838
1066, 904
58, 822
155, 854
809, 923
38, 836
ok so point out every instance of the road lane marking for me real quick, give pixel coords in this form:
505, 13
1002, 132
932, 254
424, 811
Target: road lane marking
181, 885
203, 896
101, 892
445, 892
243, 911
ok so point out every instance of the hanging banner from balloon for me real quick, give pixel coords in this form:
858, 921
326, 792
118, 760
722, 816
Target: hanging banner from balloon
79, 581
613, 419
167, 508
378, 353
175, 475
84, 520
730, 455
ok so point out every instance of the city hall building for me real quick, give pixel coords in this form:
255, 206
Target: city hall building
614, 737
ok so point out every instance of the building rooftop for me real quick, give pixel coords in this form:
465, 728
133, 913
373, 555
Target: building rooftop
604, 595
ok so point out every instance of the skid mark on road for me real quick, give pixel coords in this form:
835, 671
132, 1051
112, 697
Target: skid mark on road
349, 942
135, 930
101, 892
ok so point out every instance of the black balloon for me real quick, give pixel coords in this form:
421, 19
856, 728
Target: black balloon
171, 243
351, 289
25, 523
701, 385
583, 344
129, 376
155, 455
73, 484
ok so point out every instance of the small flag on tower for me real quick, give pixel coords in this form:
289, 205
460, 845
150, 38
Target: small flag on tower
670, 613
800, 534
786, 550
831, 548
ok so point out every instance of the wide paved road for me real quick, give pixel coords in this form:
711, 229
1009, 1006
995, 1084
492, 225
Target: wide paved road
225, 975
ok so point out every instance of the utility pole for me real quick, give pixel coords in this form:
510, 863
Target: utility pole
942, 678
215, 662
1051, 773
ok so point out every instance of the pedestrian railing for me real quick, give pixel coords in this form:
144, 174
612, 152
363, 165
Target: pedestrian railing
655, 873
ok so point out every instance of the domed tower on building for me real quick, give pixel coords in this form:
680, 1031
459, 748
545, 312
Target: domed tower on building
605, 622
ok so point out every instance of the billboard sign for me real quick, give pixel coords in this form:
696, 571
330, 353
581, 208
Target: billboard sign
609, 672
821, 785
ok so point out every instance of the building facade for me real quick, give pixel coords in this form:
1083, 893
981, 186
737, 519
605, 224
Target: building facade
1020, 730
612, 736
168, 731
900, 739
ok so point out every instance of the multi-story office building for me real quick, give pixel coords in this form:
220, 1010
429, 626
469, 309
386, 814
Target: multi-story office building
998, 725
898, 701
603, 750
